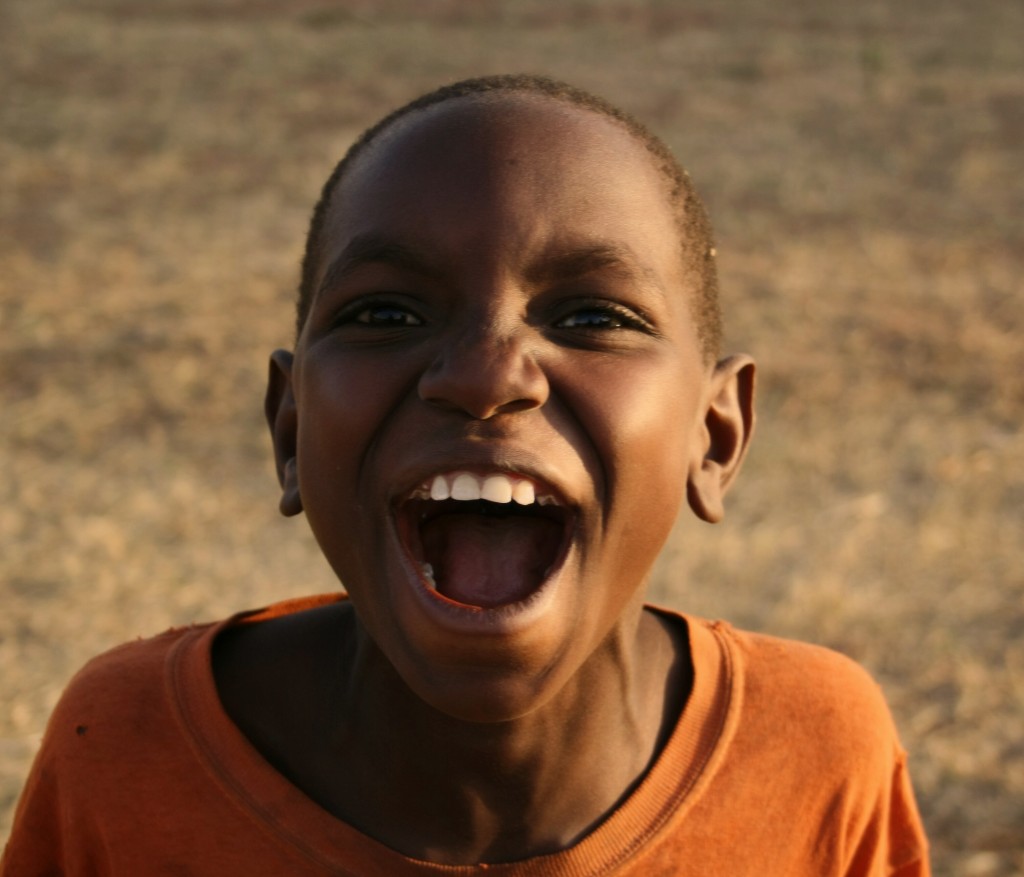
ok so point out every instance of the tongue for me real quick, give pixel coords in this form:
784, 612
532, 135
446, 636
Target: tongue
485, 560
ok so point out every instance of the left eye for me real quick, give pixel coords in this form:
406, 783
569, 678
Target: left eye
387, 316
597, 318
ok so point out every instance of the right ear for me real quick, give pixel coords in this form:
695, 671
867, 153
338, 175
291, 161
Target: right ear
725, 434
282, 417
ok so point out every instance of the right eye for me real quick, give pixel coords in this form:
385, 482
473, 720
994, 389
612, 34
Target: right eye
385, 316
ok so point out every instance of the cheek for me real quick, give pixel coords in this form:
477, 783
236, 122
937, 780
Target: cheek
343, 402
660, 422
341, 407
642, 423
329, 428
643, 419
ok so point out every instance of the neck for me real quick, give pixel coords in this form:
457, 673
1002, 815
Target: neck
475, 792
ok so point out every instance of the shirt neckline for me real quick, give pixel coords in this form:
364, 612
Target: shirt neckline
676, 780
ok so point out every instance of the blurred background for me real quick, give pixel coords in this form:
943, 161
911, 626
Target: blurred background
862, 163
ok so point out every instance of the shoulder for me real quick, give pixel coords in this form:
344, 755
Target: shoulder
814, 728
108, 727
842, 735
817, 709
134, 677
814, 671
124, 678
117, 702
805, 670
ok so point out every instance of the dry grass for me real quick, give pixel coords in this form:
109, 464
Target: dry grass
157, 163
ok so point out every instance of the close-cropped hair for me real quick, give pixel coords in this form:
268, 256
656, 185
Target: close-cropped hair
696, 239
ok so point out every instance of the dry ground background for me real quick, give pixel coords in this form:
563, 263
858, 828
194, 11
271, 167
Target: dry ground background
158, 160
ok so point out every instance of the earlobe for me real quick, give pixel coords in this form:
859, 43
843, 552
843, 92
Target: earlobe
282, 418
726, 431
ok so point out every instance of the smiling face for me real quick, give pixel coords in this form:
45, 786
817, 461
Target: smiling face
498, 398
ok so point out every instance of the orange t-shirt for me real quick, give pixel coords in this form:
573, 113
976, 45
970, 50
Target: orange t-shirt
785, 761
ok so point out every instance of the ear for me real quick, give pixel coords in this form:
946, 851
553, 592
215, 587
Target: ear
726, 431
282, 417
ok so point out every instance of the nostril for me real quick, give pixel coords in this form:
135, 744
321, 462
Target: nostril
484, 380
482, 409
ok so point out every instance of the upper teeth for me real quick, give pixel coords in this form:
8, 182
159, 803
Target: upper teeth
497, 487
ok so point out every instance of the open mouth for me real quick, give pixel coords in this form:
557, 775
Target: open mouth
484, 540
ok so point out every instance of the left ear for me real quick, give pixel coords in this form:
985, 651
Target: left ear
726, 431
282, 418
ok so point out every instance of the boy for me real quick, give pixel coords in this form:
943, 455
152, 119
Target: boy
506, 380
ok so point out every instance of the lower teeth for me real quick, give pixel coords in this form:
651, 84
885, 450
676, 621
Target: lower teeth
428, 576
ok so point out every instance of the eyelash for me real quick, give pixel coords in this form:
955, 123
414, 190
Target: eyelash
610, 317
614, 318
364, 315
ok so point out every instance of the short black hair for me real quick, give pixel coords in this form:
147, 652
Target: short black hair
696, 237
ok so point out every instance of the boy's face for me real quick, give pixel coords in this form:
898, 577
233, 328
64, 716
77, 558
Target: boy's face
500, 297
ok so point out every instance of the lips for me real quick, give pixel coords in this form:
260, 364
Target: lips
484, 539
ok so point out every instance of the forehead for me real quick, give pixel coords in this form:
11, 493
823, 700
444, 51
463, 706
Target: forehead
507, 173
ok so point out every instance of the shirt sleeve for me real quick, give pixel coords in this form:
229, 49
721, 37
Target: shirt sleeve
907, 843
38, 842
892, 842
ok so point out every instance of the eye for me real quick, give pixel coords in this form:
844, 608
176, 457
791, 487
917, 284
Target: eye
601, 317
387, 316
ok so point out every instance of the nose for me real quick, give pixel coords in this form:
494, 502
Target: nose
485, 373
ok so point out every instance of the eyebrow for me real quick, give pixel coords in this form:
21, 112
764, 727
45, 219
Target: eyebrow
373, 249
565, 264
574, 262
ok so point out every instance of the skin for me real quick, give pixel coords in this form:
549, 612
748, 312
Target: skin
500, 290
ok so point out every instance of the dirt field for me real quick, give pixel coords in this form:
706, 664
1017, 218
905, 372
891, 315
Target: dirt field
158, 159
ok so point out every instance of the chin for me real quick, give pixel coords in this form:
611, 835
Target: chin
485, 664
